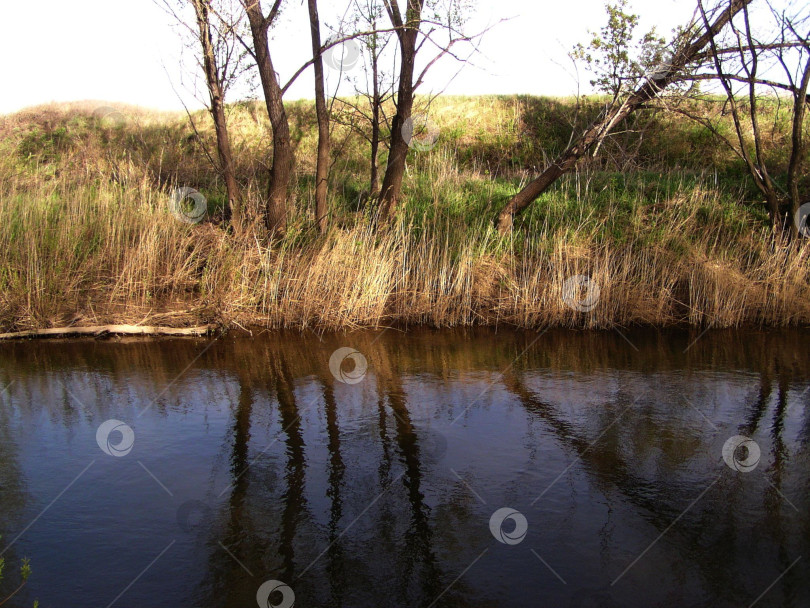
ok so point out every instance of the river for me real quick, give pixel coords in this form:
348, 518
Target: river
424, 468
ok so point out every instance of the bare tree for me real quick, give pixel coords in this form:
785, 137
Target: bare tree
797, 140
690, 42
222, 64
281, 170
746, 66
322, 113
737, 64
407, 33
376, 46
374, 86
283, 153
408, 28
216, 78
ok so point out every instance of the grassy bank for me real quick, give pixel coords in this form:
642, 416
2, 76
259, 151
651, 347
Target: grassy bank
665, 224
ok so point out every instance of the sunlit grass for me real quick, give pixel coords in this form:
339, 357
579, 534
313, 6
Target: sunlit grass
86, 233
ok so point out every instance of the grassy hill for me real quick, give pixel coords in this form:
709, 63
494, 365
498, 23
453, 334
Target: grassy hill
664, 220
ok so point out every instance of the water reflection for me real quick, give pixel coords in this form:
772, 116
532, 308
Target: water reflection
380, 493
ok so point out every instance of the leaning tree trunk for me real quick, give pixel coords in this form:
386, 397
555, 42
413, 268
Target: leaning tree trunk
216, 94
322, 168
597, 132
283, 157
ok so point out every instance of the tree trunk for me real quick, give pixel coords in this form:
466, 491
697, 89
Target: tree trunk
398, 151
322, 168
774, 210
374, 179
597, 132
797, 152
232, 209
281, 170
374, 185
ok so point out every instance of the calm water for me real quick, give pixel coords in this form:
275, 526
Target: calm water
252, 462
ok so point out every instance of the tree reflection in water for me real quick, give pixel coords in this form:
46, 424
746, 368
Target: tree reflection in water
380, 493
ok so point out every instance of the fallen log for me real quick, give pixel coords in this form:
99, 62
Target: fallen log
102, 330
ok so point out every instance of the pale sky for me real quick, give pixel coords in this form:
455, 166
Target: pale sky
127, 50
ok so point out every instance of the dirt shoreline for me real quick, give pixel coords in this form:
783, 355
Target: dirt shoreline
195, 328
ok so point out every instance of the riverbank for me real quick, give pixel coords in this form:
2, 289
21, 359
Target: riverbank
88, 237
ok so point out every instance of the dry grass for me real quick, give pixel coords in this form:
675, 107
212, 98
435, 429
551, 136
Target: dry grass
86, 236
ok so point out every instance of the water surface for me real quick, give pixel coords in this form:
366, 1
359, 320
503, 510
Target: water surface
252, 461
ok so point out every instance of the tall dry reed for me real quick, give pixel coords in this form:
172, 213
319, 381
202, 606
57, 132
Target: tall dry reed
86, 235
